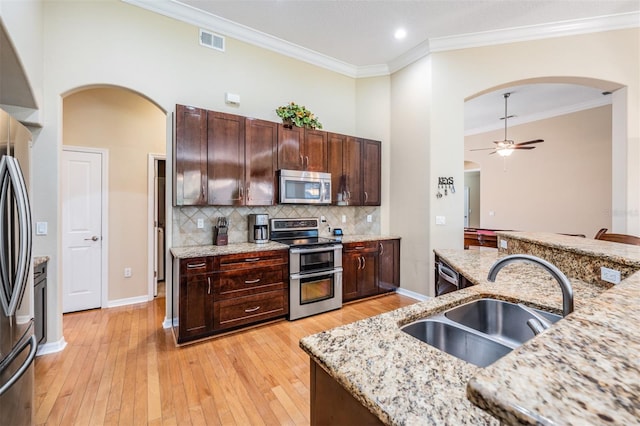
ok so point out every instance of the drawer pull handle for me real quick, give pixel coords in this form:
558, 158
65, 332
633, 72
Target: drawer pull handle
252, 259
257, 280
252, 309
196, 265
209, 281
359, 247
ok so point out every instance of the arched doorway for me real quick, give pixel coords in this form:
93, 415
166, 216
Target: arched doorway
128, 127
565, 184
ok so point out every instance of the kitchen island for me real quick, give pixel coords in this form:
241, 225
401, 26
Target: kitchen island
560, 376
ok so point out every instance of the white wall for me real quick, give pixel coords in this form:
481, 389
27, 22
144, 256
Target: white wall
608, 60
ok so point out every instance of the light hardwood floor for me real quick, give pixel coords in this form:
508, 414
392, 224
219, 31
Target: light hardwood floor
121, 367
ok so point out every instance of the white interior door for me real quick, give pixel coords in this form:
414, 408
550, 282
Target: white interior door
81, 230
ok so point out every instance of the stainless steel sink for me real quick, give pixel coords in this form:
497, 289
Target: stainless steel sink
504, 321
457, 341
479, 332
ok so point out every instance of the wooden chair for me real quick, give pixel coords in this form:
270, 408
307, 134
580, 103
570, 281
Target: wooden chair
617, 238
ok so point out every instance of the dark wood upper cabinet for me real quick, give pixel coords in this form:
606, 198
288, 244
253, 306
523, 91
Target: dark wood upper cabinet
190, 156
315, 150
302, 149
261, 145
371, 169
225, 159
290, 148
230, 160
354, 164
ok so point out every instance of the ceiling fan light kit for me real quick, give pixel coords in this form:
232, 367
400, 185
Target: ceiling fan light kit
505, 147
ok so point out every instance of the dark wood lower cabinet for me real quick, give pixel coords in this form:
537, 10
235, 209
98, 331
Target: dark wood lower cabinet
40, 302
370, 268
223, 293
331, 404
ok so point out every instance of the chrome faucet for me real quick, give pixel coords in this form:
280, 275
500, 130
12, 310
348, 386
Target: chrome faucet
538, 323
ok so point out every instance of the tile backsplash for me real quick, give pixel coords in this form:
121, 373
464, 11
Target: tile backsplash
186, 232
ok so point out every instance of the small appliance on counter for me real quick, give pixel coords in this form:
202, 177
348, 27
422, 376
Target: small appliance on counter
259, 228
337, 232
220, 232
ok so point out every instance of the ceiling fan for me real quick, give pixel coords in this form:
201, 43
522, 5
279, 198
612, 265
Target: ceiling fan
506, 147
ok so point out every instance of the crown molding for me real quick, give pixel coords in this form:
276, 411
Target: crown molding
176, 10
543, 115
185, 13
537, 32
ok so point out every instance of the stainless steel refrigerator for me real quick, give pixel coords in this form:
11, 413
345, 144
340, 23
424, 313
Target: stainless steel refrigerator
17, 339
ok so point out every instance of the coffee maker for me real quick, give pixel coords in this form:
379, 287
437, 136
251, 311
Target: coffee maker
259, 228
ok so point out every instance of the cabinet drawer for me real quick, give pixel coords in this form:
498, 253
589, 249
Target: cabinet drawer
245, 310
195, 266
251, 260
244, 282
364, 246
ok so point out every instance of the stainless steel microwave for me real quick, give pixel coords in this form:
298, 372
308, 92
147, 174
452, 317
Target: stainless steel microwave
301, 187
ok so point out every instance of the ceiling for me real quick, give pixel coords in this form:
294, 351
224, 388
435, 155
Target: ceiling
355, 37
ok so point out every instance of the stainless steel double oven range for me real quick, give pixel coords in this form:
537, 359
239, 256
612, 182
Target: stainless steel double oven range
315, 266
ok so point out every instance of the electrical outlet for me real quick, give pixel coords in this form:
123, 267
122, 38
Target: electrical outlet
369, 218
344, 219
127, 272
610, 275
200, 223
503, 244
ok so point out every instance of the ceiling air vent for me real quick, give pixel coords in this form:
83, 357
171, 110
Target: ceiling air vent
211, 40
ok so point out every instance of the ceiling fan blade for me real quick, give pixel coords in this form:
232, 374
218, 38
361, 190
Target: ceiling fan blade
481, 149
530, 142
524, 147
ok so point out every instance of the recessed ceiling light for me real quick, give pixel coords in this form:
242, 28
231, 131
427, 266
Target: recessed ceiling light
400, 33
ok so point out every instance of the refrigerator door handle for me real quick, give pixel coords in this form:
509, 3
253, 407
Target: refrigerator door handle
27, 362
11, 169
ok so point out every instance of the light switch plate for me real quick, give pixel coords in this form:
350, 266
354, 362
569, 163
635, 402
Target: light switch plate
441, 220
200, 223
503, 244
41, 228
344, 218
369, 218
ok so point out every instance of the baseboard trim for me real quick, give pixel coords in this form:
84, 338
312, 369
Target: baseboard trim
51, 348
128, 301
168, 323
412, 294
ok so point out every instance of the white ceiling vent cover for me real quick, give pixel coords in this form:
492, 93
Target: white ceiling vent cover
209, 39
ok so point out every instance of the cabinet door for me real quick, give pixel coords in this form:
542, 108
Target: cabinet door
334, 153
196, 306
315, 151
350, 266
290, 147
352, 167
261, 141
371, 158
389, 271
190, 156
368, 275
225, 159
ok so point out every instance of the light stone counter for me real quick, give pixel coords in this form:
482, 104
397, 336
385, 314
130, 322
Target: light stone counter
584, 370
39, 260
363, 238
198, 251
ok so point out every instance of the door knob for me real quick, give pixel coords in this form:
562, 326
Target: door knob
94, 238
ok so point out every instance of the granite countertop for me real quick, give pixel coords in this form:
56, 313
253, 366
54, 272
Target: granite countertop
362, 238
212, 250
199, 251
592, 355
39, 260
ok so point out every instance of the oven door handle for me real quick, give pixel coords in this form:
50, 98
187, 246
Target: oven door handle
315, 250
315, 274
